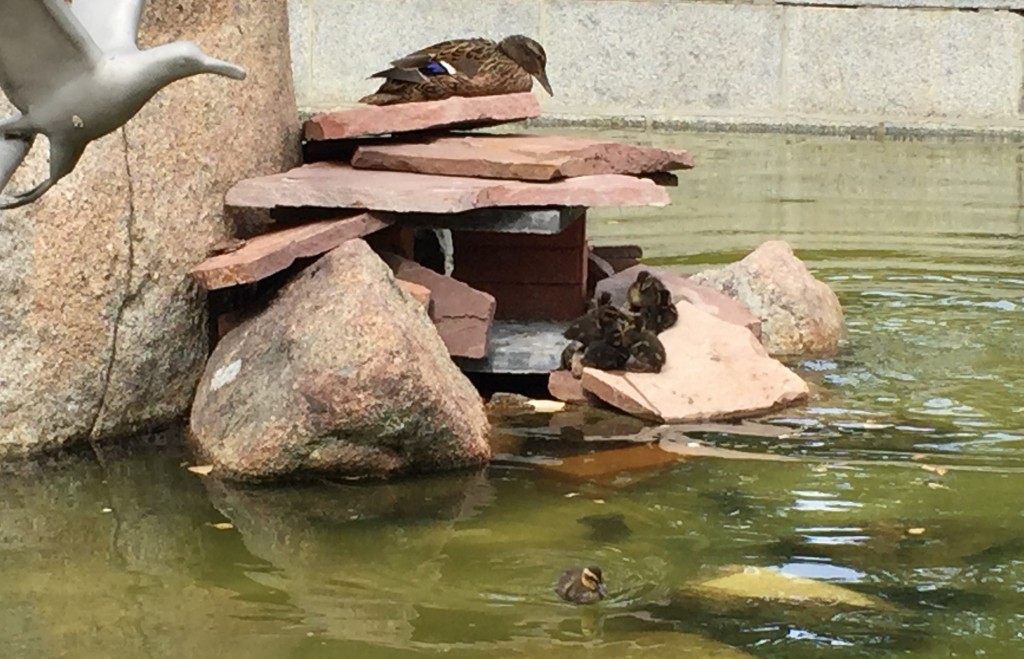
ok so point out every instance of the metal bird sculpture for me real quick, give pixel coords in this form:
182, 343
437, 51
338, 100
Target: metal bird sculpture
75, 73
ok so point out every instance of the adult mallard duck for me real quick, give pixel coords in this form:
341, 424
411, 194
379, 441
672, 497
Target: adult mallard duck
581, 585
463, 67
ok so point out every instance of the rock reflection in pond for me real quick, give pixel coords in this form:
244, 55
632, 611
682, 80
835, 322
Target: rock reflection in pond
606, 528
357, 560
95, 557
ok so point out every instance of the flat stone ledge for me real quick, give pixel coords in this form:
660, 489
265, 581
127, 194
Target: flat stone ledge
332, 185
520, 157
450, 113
269, 253
520, 347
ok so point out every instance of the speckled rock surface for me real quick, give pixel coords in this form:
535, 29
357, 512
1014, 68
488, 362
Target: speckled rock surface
343, 374
799, 314
103, 331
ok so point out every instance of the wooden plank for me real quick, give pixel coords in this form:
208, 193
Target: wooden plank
266, 254
519, 157
333, 185
535, 266
536, 301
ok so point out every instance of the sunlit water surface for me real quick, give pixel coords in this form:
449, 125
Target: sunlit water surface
922, 242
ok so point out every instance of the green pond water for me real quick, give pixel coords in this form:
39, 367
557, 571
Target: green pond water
923, 244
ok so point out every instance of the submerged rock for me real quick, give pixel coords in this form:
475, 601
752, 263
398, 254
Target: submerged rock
758, 583
799, 314
342, 374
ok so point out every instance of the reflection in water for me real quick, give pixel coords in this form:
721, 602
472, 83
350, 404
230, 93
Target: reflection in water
905, 484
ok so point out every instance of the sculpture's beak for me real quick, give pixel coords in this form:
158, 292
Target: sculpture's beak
220, 67
542, 78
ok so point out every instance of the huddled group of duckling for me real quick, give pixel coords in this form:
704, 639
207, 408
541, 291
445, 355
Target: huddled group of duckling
610, 338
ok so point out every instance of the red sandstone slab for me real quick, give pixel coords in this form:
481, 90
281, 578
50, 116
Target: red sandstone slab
564, 387
332, 185
521, 157
419, 293
462, 315
269, 253
450, 113
715, 370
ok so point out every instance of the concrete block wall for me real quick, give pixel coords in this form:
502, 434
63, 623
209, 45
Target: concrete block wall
784, 63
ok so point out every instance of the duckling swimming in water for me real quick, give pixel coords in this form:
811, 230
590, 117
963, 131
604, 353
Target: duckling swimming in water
581, 585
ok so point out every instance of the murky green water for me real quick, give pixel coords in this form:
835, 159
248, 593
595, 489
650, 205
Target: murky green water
923, 244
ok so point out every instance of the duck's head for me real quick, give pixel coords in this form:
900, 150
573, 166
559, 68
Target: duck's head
530, 55
593, 581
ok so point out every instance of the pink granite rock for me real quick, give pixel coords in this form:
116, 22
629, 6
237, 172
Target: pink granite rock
461, 314
450, 113
715, 370
332, 185
342, 374
799, 314
522, 157
703, 297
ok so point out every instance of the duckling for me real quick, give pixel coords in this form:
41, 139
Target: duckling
645, 291
572, 359
605, 355
463, 67
590, 326
581, 585
646, 351
661, 316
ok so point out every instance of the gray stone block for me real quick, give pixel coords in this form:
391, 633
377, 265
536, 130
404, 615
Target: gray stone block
957, 5
301, 24
621, 57
892, 62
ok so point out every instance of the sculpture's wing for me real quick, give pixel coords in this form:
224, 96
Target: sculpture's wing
42, 48
112, 24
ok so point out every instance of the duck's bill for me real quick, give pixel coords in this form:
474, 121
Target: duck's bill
601, 590
543, 80
223, 68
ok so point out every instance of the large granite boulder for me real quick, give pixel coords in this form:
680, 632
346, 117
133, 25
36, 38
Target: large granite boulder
103, 331
799, 314
342, 374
